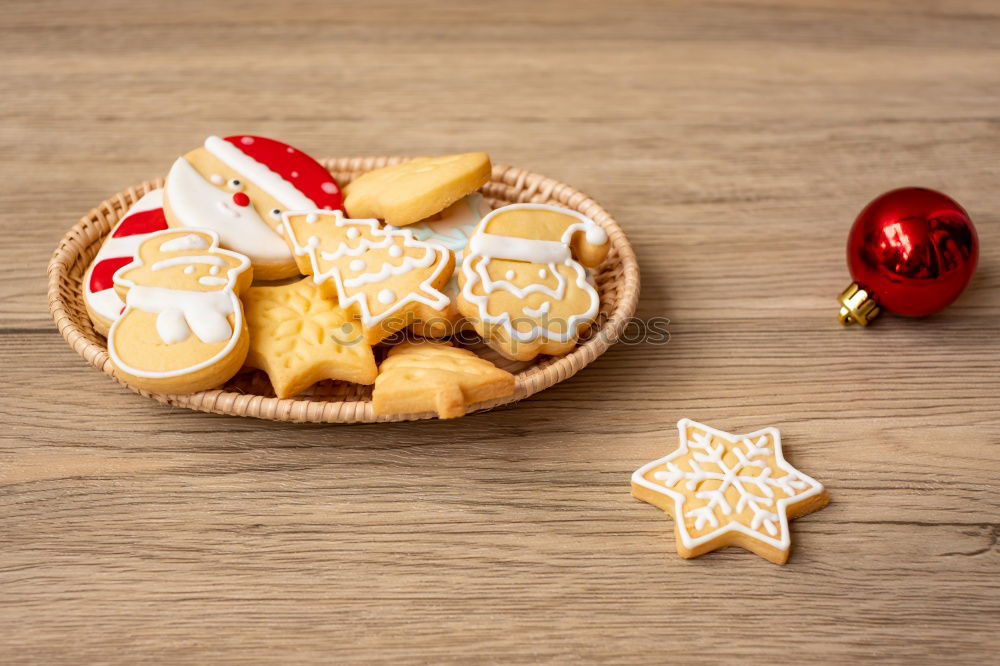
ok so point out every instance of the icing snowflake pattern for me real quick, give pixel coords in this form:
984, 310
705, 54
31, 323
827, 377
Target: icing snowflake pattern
721, 482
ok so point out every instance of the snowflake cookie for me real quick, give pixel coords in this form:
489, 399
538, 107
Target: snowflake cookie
729, 490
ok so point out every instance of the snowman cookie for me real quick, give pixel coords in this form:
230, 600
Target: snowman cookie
523, 284
145, 217
238, 187
183, 328
384, 276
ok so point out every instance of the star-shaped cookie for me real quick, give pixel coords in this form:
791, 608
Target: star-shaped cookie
298, 338
729, 490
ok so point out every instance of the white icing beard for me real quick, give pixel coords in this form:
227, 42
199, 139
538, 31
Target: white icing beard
198, 203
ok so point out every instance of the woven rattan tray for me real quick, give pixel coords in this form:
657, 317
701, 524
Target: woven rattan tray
249, 393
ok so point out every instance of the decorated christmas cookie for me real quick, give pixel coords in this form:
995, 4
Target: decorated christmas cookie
432, 376
729, 490
386, 277
239, 186
451, 228
183, 328
142, 219
413, 191
298, 338
523, 283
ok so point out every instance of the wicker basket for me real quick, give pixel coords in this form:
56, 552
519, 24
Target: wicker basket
250, 394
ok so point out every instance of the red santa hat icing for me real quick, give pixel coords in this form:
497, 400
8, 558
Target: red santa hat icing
145, 217
293, 178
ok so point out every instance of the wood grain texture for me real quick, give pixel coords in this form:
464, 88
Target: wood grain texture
734, 141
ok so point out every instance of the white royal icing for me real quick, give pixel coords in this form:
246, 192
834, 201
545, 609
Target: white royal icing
484, 247
388, 237
456, 225
181, 312
189, 242
770, 519
197, 203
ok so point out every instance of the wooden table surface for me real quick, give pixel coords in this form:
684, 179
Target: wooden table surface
734, 142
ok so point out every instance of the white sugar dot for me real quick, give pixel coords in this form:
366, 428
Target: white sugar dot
357, 265
217, 179
311, 217
542, 272
386, 296
290, 150
247, 140
214, 270
509, 275
295, 174
189, 269
395, 251
353, 232
329, 188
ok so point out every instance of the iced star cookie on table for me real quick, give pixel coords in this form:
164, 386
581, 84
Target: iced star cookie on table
523, 284
729, 490
412, 191
119, 248
239, 186
298, 338
182, 329
433, 376
384, 276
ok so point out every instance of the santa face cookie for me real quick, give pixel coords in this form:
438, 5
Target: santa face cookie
385, 276
183, 328
523, 283
238, 187
729, 490
145, 217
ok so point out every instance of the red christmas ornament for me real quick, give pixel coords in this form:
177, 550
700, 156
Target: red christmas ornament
911, 251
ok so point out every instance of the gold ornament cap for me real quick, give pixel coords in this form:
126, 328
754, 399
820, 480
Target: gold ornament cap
857, 306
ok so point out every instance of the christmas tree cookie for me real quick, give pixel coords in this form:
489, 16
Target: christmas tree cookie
433, 376
384, 276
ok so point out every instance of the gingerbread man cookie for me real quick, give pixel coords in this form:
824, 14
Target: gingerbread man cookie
405, 193
298, 338
384, 276
239, 186
145, 217
433, 376
729, 490
183, 328
523, 285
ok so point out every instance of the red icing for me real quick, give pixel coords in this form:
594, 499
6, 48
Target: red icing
241, 199
104, 271
306, 174
144, 222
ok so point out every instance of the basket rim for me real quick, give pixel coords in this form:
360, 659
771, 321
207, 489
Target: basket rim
529, 187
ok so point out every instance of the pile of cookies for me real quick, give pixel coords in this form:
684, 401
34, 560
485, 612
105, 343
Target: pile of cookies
252, 256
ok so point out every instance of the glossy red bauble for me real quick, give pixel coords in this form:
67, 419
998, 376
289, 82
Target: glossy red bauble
911, 251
